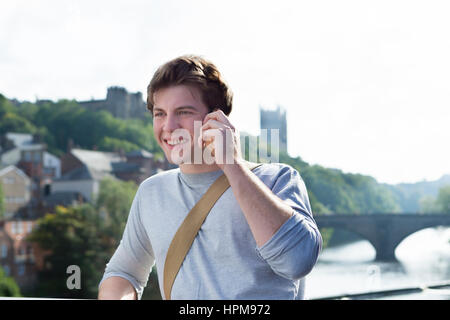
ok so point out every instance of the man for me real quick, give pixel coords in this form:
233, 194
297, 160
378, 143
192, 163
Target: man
259, 240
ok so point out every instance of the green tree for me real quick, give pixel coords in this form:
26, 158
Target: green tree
85, 236
428, 204
114, 202
326, 234
12, 122
2, 202
5, 106
27, 110
368, 195
71, 236
8, 287
113, 144
316, 206
330, 189
443, 199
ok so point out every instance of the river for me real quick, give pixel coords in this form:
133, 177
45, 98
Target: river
423, 259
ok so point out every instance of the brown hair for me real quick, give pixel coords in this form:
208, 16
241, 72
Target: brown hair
198, 72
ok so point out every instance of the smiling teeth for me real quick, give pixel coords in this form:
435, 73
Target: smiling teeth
175, 142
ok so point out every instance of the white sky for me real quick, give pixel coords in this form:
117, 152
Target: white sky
366, 84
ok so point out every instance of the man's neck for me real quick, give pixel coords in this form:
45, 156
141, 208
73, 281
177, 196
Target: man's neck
198, 168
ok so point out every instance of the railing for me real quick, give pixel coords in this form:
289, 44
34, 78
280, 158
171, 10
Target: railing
441, 289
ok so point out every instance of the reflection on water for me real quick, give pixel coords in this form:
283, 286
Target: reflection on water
423, 258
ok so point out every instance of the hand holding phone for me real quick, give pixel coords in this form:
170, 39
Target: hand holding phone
219, 134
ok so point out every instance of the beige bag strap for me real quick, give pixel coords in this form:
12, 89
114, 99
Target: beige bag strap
186, 233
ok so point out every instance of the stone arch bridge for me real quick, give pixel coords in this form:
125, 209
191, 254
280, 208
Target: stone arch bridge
383, 231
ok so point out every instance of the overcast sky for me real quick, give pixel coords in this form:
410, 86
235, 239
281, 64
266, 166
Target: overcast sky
366, 84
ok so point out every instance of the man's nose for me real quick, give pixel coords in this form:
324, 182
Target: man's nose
171, 123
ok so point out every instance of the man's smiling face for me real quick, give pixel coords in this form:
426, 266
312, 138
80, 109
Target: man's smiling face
176, 107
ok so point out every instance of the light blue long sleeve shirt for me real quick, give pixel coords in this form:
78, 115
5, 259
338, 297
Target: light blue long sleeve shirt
224, 261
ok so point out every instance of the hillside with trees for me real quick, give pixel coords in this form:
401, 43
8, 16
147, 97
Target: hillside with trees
59, 123
419, 196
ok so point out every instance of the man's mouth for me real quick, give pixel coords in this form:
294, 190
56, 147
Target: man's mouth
173, 143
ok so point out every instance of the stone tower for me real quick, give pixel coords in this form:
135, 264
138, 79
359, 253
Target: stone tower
275, 119
120, 103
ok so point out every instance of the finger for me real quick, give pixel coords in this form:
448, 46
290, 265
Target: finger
213, 124
210, 134
207, 136
219, 116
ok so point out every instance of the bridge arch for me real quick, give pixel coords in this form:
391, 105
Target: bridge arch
349, 235
384, 231
411, 240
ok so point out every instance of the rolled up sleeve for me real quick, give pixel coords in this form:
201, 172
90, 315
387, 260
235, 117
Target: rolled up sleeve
293, 250
134, 258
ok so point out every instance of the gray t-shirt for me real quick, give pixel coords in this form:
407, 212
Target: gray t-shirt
224, 261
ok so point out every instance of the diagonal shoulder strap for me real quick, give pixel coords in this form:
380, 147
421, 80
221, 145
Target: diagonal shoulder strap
186, 233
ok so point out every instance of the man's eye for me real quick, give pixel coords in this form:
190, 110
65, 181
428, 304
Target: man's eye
157, 114
185, 112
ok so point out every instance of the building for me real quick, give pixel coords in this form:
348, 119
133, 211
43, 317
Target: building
275, 119
27, 153
83, 170
138, 166
84, 180
119, 103
19, 258
16, 187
